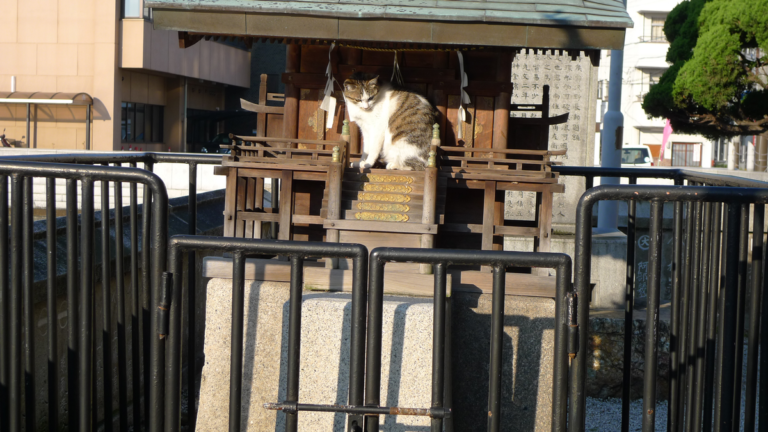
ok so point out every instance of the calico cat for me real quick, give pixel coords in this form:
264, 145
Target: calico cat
396, 123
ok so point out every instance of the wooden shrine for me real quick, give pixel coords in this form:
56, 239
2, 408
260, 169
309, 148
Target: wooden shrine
458, 201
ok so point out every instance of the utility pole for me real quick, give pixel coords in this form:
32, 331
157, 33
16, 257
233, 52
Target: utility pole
612, 139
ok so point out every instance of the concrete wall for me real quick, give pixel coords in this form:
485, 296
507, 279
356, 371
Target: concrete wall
61, 46
158, 50
81, 46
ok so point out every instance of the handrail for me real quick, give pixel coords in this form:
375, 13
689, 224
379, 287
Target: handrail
678, 174
119, 157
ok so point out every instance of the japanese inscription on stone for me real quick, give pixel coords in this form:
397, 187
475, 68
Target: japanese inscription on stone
569, 92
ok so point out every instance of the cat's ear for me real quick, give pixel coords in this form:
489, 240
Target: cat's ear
374, 81
350, 85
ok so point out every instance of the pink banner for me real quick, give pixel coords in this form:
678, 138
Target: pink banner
665, 139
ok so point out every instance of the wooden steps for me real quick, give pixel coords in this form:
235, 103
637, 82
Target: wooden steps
378, 195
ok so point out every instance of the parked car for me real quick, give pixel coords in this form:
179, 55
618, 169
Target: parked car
214, 145
637, 156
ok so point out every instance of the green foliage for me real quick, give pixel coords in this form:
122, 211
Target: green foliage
713, 88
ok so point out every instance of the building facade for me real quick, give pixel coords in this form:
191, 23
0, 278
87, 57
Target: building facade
142, 83
645, 51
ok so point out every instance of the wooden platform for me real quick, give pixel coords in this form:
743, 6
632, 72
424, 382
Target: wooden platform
398, 280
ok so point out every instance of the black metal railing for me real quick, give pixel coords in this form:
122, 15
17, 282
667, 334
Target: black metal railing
297, 252
708, 302
365, 384
499, 261
18, 303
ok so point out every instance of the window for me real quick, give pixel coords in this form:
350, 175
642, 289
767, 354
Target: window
141, 123
654, 77
686, 154
634, 156
657, 30
135, 9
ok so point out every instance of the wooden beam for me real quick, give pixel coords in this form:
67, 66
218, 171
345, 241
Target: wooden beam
257, 108
390, 227
291, 113
286, 205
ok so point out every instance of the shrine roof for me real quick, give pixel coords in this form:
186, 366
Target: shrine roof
577, 13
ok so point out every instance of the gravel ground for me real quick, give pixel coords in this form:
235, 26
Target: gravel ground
605, 414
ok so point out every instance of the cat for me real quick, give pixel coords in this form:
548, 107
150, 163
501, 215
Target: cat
396, 123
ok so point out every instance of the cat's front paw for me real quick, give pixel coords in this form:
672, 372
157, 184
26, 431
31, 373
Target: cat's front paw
365, 165
391, 166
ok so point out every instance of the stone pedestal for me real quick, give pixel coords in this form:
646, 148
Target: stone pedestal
406, 359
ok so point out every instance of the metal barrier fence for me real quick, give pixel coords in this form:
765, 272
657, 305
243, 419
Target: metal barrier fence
17, 299
118, 159
708, 302
240, 248
363, 406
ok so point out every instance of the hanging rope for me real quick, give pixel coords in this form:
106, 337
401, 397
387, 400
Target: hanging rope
329, 101
397, 76
463, 96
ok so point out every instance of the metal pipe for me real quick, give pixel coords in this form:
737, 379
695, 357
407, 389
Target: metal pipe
192, 300
652, 317
294, 339
373, 340
122, 366
701, 329
173, 364
694, 313
674, 340
497, 345
357, 337
5, 299
145, 295
727, 335
448, 365
53, 354
88, 127
629, 305
14, 387
106, 297
73, 402
159, 256
29, 307
86, 305
740, 303
756, 299
236, 347
438, 344
685, 306
714, 283
29, 141
136, 317
763, 395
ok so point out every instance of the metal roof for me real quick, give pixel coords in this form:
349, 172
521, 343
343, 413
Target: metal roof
578, 13
43, 98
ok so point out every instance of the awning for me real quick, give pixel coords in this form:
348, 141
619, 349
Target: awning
43, 98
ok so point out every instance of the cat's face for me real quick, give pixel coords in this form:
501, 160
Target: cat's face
361, 92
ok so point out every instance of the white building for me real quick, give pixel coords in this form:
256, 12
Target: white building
645, 51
